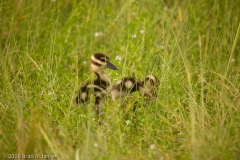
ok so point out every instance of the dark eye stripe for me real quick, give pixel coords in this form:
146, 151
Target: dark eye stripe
151, 80
103, 59
97, 64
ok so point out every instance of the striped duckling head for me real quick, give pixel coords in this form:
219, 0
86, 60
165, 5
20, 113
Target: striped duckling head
100, 61
150, 84
151, 81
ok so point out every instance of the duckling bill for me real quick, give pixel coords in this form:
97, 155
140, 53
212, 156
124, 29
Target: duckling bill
100, 85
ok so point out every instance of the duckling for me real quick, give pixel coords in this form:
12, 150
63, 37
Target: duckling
99, 86
125, 86
130, 85
150, 84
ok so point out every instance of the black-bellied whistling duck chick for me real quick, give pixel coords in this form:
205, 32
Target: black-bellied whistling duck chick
129, 85
99, 86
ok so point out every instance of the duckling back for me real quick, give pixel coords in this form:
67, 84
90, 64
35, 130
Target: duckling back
128, 85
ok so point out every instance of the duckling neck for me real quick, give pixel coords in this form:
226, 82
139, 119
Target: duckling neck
103, 77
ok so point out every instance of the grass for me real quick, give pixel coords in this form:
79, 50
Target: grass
191, 46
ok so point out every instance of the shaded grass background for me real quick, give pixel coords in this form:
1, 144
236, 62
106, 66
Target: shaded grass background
191, 46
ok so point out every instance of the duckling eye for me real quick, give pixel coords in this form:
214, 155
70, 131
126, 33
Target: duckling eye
104, 59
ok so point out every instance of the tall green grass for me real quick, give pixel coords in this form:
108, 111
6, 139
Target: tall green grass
191, 46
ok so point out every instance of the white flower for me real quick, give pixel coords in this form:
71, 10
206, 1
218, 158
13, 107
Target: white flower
118, 58
95, 145
128, 122
162, 46
142, 31
232, 60
134, 36
97, 34
152, 146
84, 63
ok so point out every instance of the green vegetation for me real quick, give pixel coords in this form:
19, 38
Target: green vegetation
191, 46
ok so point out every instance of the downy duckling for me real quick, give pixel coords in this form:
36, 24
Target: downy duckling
129, 85
99, 86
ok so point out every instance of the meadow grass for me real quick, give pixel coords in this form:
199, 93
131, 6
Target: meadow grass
191, 46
